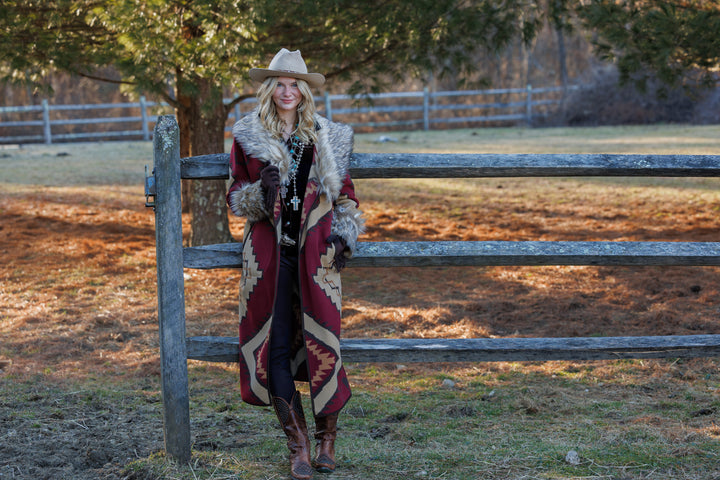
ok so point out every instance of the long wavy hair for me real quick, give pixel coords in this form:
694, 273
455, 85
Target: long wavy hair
305, 111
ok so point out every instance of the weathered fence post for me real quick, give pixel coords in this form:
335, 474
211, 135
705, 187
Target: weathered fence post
171, 289
528, 106
47, 133
426, 108
328, 106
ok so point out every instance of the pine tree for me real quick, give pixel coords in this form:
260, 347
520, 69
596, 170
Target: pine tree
204, 47
675, 40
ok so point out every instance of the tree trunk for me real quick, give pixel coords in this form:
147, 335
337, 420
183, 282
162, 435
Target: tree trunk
205, 115
182, 113
562, 59
562, 56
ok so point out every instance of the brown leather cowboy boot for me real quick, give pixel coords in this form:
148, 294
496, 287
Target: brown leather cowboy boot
325, 433
292, 420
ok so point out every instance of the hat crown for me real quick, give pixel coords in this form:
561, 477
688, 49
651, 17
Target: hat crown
287, 61
287, 64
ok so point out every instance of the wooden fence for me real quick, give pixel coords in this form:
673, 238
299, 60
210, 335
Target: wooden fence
163, 194
35, 123
47, 123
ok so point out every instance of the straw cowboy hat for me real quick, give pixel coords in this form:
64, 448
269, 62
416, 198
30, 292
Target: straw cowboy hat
287, 64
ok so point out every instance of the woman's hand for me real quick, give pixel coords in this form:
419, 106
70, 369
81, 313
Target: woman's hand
340, 246
270, 180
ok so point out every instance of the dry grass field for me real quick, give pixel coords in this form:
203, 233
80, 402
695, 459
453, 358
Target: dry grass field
78, 336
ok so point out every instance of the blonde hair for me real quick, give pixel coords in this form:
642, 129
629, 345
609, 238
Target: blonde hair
305, 111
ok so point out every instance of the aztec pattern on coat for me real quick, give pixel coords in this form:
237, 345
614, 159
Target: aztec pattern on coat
329, 207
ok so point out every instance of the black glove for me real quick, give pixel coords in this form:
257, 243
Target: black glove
270, 180
340, 246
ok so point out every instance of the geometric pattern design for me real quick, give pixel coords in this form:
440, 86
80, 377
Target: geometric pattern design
250, 353
324, 361
251, 276
328, 279
327, 356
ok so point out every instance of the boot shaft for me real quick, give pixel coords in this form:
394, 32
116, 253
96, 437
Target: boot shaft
326, 427
325, 434
292, 421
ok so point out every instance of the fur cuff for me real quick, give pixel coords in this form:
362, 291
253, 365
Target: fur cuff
349, 224
248, 201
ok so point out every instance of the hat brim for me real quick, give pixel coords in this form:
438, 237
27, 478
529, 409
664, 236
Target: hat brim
260, 74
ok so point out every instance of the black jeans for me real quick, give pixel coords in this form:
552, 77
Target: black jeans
283, 328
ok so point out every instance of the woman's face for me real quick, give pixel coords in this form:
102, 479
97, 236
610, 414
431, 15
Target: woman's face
287, 95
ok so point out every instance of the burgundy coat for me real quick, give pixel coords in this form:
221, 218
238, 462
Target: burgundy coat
329, 207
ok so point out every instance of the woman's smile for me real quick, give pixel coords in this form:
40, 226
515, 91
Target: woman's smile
287, 95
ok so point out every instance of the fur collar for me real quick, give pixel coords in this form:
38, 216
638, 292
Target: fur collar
332, 150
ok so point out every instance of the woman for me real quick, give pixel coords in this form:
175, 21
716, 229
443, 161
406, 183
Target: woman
290, 179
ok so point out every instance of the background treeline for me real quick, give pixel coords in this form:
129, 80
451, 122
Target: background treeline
552, 59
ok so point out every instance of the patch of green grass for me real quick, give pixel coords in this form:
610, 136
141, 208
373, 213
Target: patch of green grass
403, 424
497, 421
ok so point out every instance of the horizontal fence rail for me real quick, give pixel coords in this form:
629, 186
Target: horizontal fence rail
225, 349
48, 123
491, 253
429, 165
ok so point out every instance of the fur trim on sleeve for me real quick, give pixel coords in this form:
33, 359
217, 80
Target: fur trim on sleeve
248, 201
349, 223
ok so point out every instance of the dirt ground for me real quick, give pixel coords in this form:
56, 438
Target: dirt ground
73, 264
77, 298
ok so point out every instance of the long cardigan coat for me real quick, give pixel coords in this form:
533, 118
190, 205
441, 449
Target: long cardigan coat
329, 207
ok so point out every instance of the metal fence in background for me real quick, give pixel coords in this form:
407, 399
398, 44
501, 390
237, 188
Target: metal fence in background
48, 123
